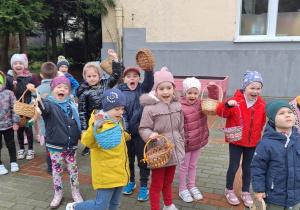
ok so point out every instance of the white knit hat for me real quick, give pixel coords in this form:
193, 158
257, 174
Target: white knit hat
191, 82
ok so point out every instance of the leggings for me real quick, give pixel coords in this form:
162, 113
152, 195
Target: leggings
29, 134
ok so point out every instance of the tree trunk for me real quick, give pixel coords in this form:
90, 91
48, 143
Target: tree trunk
23, 41
86, 39
54, 33
64, 36
4, 51
47, 43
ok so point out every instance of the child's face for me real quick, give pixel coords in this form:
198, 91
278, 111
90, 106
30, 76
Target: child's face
63, 69
18, 68
192, 95
92, 76
132, 79
253, 90
60, 92
285, 118
165, 91
116, 113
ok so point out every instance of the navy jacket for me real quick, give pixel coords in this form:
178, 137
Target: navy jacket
275, 169
133, 110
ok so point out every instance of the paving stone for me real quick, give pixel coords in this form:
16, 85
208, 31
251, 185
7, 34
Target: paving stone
6, 204
22, 207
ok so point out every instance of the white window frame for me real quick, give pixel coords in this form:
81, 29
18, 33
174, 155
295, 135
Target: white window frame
271, 27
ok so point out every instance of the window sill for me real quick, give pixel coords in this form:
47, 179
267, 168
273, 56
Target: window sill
266, 39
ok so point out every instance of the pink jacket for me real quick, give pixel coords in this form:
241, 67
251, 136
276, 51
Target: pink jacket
196, 131
166, 120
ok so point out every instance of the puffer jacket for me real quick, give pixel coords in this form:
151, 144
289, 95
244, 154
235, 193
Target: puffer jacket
74, 83
21, 85
166, 120
296, 109
90, 98
196, 131
133, 109
275, 167
110, 168
254, 119
7, 116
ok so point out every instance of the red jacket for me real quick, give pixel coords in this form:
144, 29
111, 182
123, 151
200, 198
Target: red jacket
254, 119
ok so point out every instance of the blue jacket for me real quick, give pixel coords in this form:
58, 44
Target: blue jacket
74, 83
275, 169
133, 110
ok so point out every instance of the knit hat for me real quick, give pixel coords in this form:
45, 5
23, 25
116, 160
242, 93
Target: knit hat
61, 60
26, 60
251, 76
112, 98
162, 76
191, 82
58, 80
18, 57
2, 78
131, 69
94, 64
272, 109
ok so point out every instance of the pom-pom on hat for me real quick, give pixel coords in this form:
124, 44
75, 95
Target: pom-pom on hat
162, 76
272, 109
191, 82
112, 98
131, 69
61, 60
58, 80
26, 61
18, 57
251, 76
94, 64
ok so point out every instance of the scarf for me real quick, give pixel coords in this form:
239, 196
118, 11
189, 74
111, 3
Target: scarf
249, 103
67, 106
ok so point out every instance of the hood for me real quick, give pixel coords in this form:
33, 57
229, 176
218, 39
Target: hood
11, 73
4, 79
151, 99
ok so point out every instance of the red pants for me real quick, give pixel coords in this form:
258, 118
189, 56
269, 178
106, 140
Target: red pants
161, 180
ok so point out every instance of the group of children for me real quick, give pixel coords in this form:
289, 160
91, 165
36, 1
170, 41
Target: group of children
114, 124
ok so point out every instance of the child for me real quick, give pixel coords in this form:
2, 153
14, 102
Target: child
196, 135
89, 93
9, 122
63, 66
63, 132
48, 72
162, 115
132, 90
295, 104
253, 115
276, 162
17, 81
110, 170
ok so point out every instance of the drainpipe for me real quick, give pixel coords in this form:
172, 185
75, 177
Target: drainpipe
119, 18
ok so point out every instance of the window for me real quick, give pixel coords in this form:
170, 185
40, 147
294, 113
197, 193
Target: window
268, 20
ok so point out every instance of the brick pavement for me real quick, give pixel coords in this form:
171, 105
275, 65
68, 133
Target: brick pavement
32, 188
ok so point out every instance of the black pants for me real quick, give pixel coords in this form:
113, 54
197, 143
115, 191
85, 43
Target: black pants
48, 159
10, 144
136, 148
29, 134
235, 153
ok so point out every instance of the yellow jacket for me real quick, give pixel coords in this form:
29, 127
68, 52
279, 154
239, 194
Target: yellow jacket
110, 168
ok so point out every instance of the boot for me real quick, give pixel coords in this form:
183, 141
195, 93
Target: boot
58, 196
76, 195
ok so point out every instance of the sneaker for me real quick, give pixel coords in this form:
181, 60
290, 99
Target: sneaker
231, 197
246, 197
172, 207
70, 206
3, 170
186, 196
85, 151
143, 196
196, 193
128, 188
21, 154
14, 167
30, 154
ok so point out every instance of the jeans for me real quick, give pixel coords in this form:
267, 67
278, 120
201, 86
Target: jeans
105, 198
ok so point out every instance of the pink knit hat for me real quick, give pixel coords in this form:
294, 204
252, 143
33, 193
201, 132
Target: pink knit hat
162, 76
26, 61
58, 80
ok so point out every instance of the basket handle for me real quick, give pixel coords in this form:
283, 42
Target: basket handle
218, 87
145, 158
241, 119
95, 126
23, 95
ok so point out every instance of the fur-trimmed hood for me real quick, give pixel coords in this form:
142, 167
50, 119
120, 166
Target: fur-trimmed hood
151, 99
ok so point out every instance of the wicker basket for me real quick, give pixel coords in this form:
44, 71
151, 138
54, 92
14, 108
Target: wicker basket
106, 65
208, 105
159, 155
263, 205
233, 133
145, 59
24, 109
